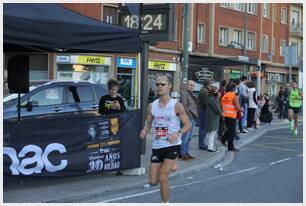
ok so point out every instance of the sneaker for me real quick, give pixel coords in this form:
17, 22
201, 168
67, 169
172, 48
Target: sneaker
295, 131
190, 157
291, 125
213, 151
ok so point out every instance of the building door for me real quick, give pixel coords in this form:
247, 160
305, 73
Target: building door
126, 80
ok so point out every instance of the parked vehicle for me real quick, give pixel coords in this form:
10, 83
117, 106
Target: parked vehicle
55, 97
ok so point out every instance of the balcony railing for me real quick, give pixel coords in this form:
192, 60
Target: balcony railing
296, 28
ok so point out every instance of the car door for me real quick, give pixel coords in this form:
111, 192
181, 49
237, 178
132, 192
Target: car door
80, 99
46, 101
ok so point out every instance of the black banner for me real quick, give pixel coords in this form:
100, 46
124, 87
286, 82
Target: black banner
70, 144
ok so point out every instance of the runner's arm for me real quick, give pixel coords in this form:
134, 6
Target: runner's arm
180, 111
148, 123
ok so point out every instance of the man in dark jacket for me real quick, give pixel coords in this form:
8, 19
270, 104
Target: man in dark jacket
202, 108
189, 102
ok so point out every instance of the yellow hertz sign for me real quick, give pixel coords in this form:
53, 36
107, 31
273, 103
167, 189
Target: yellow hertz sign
91, 60
157, 65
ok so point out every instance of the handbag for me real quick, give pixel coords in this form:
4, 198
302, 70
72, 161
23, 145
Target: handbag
239, 115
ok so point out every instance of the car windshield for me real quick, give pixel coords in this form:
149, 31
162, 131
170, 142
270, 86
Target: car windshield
14, 96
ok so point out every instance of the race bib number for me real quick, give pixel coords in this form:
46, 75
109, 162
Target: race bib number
162, 133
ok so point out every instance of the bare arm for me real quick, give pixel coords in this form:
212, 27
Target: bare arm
236, 103
180, 111
148, 123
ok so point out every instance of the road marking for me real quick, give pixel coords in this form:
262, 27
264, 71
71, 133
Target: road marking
285, 143
277, 148
279, 161
300, 155
177, 186
291, 138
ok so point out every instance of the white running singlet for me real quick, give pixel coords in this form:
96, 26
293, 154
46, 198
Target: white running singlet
165, 123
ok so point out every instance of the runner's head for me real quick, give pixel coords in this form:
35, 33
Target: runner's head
293, 84
163, 85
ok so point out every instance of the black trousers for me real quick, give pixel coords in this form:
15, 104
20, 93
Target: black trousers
229, 135
251, 116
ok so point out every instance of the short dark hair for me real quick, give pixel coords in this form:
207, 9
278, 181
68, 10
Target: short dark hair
230, 86
242, 78
223, 83
237, 81
112, 83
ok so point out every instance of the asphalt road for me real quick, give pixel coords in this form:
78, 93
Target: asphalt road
269, 170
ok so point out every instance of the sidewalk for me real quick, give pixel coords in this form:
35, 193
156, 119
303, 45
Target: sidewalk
84, 188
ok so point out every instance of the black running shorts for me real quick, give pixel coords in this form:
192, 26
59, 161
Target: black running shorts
296, 110
158, 155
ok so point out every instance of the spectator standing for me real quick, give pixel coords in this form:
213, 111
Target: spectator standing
286, 101
112, 102
202, 109
189, 102
243, 101
213, 115
230, 107
221, 93
280, 102
252, 97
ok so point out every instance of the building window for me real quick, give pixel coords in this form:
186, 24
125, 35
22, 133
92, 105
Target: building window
251, 8
284, 16
282, 47
273, 45
235, 6
264, 43
238, 7
110, 15
223, 36
225, 5
237, 37
265, 12
250, 41
201, 33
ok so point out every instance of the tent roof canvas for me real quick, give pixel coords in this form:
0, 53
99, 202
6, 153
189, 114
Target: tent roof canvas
51, 27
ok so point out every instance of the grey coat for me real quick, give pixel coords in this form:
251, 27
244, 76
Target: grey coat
190, 103
213, 114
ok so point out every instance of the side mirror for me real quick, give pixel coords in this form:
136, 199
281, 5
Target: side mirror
31, 104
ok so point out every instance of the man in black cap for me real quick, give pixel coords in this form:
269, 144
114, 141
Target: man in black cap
202, 108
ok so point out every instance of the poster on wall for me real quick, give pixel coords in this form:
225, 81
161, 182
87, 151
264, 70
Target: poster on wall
71, 145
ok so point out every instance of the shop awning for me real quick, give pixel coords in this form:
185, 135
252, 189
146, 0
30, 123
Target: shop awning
216, 61
51, 27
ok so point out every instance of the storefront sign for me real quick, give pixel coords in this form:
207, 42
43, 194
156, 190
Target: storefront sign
162, 66
126, 63
73, 145
62, 59
204, 74
91, 60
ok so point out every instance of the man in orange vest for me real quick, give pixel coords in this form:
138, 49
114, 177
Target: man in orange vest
230, 106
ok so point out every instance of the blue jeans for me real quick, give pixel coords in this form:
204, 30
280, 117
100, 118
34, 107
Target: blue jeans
186, 138
245, 115
202, 132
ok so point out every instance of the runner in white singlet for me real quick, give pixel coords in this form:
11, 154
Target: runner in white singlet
165, 115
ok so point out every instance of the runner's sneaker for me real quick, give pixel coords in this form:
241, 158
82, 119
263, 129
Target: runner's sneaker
291, 125
295, 131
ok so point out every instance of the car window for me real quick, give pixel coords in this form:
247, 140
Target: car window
80, 94
50, 96
100, 91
